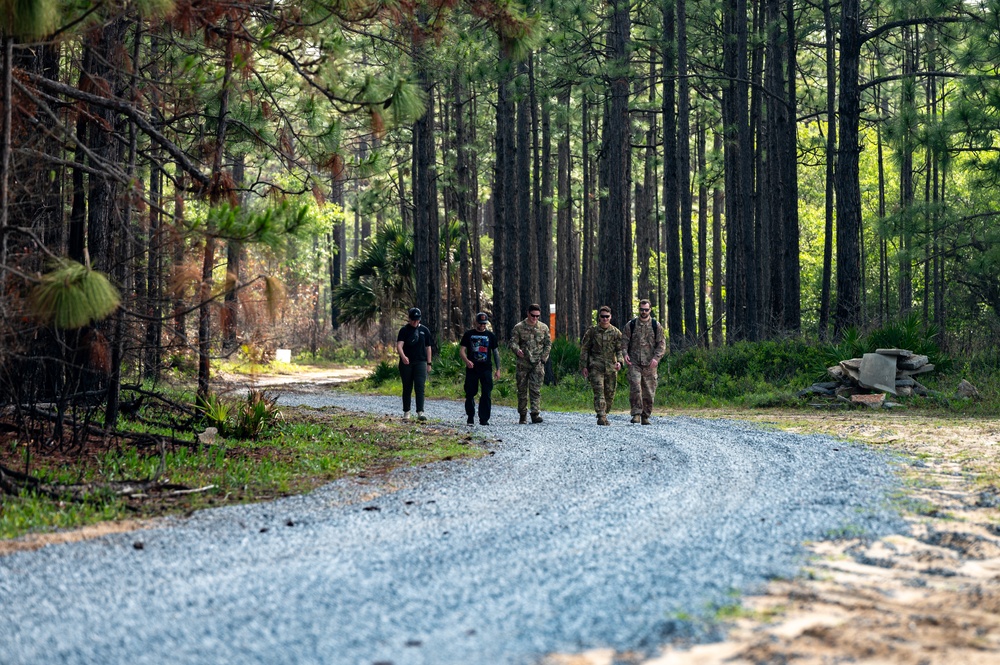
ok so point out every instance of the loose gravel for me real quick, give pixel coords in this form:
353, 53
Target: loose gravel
567, 537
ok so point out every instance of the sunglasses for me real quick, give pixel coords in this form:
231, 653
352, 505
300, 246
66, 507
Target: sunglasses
605, 316
534, 316
643, 309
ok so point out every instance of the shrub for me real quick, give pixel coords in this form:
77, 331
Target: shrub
255, 415
907, 333
216, 411
384, 371
565, 357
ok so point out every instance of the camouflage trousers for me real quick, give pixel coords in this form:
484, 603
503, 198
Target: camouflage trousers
529, 386
641, 389
603, 383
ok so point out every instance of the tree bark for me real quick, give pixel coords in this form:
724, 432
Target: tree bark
684, 174
671, 203
614, 283
848, 189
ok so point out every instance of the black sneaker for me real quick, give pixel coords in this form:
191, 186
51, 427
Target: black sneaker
484, 423
470, 421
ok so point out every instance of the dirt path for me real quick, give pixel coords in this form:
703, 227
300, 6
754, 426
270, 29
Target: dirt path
931, 598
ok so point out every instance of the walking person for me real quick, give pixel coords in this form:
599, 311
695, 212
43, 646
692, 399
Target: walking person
479, 349
600, 359
413, 344
531, 344
643, 344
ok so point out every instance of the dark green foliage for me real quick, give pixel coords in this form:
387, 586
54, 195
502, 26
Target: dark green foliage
246, 420
738, 370
448, 364
254, 415
908, 333
384, 371
565, 356
380, 281
216, 411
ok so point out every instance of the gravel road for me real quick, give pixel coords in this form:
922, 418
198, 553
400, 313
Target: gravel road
568, 537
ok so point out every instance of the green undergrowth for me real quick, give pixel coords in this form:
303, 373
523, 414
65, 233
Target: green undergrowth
307, 448
749, 375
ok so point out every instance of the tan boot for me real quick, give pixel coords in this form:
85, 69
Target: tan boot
602, 420
635, 419
536, 418
645, 420
524, 418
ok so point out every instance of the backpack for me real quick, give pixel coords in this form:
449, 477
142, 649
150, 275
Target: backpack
631, 331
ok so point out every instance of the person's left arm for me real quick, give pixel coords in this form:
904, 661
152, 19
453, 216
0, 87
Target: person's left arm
430, 350
546, 343
661, 346
496, 355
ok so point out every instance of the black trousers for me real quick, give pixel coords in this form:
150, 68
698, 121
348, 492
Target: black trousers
474, 379
414, 377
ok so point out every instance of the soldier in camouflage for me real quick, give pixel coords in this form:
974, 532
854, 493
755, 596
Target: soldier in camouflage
531, 344
643, 344
600, 360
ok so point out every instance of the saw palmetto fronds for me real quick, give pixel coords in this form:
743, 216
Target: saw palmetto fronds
72, 295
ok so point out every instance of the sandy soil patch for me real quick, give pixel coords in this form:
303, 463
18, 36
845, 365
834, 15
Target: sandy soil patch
37, 541
306, 378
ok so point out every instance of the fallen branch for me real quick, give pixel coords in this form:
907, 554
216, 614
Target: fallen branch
13, 483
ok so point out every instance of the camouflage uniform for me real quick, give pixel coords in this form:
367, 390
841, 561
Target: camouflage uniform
534, 342
643, 345
600, 350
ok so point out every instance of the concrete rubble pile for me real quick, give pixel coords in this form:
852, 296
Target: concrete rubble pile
868, 379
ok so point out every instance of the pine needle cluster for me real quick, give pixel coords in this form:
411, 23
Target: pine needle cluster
72, 295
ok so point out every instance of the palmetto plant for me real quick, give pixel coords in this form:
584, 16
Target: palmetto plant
380, 281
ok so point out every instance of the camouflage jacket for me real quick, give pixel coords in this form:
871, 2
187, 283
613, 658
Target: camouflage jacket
642, 343
533, 341
601, 348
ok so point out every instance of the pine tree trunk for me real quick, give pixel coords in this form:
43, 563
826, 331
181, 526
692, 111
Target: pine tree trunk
788, 141
528, 252
831, 146
505, 254
718, 204
234, 252
684, 174
587, 279
702, 162
848, 189
614, 283
671, 203
426, 238
567, 268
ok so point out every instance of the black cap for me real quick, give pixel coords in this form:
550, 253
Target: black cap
482, 318
414, 314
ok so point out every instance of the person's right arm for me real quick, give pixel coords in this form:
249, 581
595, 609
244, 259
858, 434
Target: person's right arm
585, 352
461, 351
402, 356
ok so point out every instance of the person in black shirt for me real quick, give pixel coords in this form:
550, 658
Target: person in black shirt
413, 344
479, 349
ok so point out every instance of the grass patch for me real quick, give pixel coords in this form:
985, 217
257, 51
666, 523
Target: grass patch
309, 448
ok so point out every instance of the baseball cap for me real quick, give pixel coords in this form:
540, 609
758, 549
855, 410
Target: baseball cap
414, 314
482, 318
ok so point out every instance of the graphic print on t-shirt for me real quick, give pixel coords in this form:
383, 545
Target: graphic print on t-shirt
480, 347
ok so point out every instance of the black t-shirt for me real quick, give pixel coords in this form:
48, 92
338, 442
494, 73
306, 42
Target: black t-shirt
479, 348
415, 342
